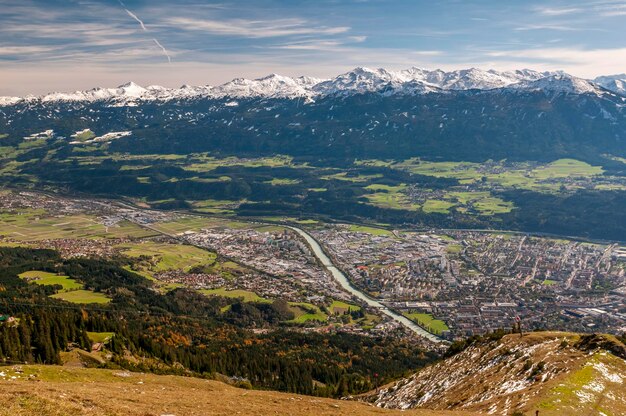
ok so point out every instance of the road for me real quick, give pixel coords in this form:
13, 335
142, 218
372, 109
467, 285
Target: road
345, 283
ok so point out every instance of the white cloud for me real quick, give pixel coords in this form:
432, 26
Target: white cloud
357, 38
548, 27
21, 50
254, 28
613, 13
548, 11
578, 61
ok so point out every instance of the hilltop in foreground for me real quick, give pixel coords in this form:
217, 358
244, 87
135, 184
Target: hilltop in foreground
555, 373
56, 391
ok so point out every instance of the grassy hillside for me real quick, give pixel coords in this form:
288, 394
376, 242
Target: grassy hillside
57, 391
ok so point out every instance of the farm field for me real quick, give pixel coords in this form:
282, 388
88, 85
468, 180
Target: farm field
34, 225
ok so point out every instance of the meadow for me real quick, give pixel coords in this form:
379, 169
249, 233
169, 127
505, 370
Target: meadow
71, 290
166, 256
48, 279
428, 322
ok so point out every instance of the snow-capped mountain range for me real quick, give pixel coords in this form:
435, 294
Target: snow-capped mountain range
359, 80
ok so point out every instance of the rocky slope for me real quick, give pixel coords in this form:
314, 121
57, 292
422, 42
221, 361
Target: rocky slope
555, 373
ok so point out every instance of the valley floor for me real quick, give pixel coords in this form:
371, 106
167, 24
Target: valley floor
57, 391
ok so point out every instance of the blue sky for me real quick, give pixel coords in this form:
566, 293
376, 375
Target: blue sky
77, 44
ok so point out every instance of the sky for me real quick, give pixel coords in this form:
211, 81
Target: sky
67, 45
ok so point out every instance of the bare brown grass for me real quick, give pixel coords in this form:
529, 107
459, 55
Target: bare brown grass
57, 391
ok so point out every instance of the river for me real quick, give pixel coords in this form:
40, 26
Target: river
345, 283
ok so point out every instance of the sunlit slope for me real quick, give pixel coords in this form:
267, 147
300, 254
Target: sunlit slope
555, 373
53, 390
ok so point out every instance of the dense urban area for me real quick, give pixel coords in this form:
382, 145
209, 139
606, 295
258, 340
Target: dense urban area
451, 283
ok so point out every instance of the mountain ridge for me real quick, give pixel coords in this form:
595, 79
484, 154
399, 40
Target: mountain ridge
357, 81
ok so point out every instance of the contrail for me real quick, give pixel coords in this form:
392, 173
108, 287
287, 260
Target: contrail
169, 60
143, 27
134, 16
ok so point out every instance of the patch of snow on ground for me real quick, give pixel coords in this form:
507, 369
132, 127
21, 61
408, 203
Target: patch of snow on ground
511, 386
612, 377
584, 396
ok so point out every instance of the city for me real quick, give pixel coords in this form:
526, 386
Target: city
452, 283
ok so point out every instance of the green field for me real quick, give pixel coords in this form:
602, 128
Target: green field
100, 336
84, 136
427, 321
72, 291
283, 181
48, 279
247, 296
344, 176
543, 178
437, 206
339, 307
166, 256
391, 197
205, 163
210, 180
215, 206
369, 230
305, 312
82, 296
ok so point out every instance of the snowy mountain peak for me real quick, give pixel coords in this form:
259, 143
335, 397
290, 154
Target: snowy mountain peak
130, 89
615, 83
129, 84
357, 81
561, 83
271, 86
